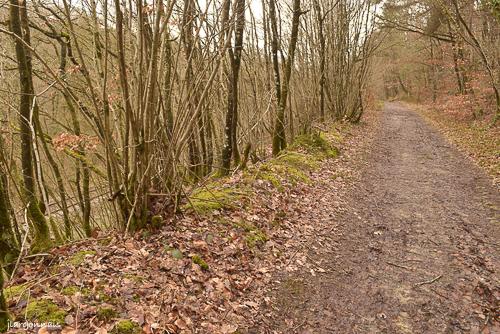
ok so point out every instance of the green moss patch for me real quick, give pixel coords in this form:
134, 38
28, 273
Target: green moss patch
78, 258
214, 197
14, 291
101, 296
199, 261
126, 327
298, 160
73, 289
134, 277
315, 144
267, 174
277, 171
106, 313
255, 238
291, 166
304, 155
44, 310
156, 221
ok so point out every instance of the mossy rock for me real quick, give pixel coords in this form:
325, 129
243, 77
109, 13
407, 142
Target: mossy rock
106, 313
78, 258
214, 197
199, 261
126, 327
44, 310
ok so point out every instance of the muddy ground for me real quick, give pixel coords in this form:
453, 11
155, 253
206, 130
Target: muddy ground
411, 247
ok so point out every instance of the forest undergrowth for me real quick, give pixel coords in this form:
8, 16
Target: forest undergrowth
203, 271
137, 187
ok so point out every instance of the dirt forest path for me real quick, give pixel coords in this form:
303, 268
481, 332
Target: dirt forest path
417, 251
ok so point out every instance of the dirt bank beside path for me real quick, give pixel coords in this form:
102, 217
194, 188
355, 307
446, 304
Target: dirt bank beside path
413, 248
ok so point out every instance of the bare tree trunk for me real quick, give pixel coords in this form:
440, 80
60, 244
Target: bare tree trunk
456, 66
187, 38
433, 72
41, 237
274, 49
231, 146
57, 174
279, 138
322, 78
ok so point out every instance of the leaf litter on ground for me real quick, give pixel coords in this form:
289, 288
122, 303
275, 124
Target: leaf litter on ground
198, 273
